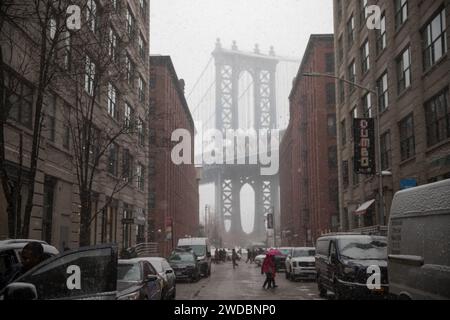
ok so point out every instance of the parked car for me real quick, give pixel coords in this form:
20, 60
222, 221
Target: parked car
419, 238
185, 264
167, 274
301, 264
138, 280
342, 261
83, 274
10, 254
202, 250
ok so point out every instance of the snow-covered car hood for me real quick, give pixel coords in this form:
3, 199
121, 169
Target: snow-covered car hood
261, 256
303, 259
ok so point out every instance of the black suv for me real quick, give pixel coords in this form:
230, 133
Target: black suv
184, 263
342, 265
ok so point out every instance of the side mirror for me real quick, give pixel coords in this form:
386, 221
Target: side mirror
20, 291
151, 278
208, 254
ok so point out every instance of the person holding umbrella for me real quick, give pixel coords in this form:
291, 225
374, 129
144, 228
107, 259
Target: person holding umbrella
268, 268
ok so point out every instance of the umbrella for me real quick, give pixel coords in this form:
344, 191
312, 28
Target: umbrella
274, 252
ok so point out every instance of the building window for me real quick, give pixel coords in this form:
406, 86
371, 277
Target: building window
89, 76
19, 96
143, 7
130, 23
351, 31
340, 50
142, 47
128, 114
355, 176
339, 10
141, 131
332, 157
352, 75
112, 159
329, 62
67, 52
353, 115
343, 132
381, 35
130, 70
401, 13
66, 137
91, 14
434, 38
331, 124
341, 92
365, 60
385, 150
407, 141
404, 70
437, 112
383, 95
141, 88
126, 228
112, 101
367, 106
345, 178
331, 93
140, 177
364, 12
50, 112
127, 165
113, 45
114, 4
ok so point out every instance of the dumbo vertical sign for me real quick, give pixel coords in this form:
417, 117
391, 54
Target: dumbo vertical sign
364, 147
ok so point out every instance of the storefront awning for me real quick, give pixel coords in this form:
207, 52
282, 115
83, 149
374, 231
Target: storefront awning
363, 208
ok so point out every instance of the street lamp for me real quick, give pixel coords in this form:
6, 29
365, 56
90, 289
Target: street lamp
380, 172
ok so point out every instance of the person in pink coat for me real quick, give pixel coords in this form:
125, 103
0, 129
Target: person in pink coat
268, 268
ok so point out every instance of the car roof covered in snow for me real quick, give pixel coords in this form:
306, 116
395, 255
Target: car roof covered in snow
434, 197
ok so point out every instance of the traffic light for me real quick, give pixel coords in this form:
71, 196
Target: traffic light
270, 221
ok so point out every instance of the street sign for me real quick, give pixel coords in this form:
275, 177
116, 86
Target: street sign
408, 184
364, 146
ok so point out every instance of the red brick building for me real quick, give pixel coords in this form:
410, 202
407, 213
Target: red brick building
173, 196
308, 155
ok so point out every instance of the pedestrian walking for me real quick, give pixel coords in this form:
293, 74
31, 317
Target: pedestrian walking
249, 256
234, 257
268, 268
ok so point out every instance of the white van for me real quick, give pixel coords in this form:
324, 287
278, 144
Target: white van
202, 249
419, 242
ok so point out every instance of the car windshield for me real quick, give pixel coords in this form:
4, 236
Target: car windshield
303, 253
181, 257
157, 265
128, 272
199, 250
285, 251
363, 248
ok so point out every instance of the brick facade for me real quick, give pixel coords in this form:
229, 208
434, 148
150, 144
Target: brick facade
308, 168
174, 188
424, 161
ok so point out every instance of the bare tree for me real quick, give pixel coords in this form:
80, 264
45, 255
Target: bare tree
100, 63
31, 36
